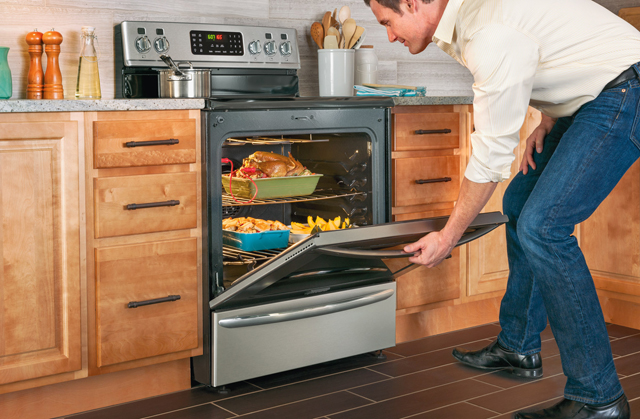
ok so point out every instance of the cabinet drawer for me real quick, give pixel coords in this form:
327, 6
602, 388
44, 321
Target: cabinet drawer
125, 143
113, 195
142, 272
426, 131
425, 180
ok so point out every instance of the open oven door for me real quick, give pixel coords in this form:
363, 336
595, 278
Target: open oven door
329, 296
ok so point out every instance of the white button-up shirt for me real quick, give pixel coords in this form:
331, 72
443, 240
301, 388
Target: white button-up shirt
554, 55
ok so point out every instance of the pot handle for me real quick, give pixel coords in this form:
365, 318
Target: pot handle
172, 65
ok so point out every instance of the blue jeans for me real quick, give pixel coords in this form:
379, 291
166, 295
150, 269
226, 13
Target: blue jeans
583, 159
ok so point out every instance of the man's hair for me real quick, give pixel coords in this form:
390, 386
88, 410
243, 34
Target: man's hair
392, 4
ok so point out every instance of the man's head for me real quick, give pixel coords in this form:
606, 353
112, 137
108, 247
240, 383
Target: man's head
411, 22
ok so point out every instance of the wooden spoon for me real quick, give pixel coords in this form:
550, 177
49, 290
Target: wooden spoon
333, 31
357, 34
317, 33
348, 29
344, 14
335, 23
326, 22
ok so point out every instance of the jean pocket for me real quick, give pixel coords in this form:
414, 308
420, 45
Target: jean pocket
603, 112
635, 127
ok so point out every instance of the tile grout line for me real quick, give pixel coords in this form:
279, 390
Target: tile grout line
491, 338
524, 407
226, 410
185, 408
381, 373
482, 407
323, 376
493, 385
356, 394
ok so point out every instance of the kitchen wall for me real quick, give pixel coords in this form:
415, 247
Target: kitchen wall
432, 68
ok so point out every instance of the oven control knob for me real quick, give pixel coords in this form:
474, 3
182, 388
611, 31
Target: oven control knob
285, 48
143, 44
254, 47
270, 48
161, 44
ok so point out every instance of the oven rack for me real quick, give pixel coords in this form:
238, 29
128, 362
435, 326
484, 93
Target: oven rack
272, 141
320, 194
234, 256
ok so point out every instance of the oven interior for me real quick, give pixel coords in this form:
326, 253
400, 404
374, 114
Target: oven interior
344, 190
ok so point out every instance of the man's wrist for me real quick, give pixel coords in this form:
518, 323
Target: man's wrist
547, 123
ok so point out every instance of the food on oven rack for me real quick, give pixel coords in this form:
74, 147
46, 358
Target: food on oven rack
262, 164
251, 225
319, 224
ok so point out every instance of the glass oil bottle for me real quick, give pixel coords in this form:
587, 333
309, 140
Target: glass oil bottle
88, 86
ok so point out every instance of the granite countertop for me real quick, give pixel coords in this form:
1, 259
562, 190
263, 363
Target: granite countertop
434, 100
72, 105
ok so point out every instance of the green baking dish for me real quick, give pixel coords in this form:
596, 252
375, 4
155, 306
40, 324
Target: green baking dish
273, 187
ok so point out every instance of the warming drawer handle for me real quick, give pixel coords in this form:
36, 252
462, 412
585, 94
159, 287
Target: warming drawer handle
170, 141
363, 253
134, 304
432, 131
305, 313
442, 179
171, 203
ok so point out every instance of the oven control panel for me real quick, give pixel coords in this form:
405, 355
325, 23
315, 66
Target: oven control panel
140, 44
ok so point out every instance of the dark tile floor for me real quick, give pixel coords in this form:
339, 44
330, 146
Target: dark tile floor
417, 380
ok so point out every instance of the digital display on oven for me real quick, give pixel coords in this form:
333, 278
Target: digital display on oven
216, 43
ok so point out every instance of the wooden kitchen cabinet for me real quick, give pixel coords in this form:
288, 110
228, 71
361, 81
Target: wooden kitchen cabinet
74, 259
433, 142
151, 252
40, 246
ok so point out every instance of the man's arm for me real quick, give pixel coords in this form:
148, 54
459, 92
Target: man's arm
436, 246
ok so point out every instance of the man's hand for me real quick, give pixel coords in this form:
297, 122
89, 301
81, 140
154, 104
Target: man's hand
536, 142
432, 249
436, 246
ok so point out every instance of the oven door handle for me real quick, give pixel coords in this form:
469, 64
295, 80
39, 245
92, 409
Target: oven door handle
305, 313
388, 254
364, 254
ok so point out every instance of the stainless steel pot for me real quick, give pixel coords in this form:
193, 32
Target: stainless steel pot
175, 82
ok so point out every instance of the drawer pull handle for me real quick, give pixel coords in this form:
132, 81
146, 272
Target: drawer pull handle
135, 304
442, 179
171, 203
149, 143
432, 131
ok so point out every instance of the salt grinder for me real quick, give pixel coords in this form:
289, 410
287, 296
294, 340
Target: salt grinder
52, 77
35, 79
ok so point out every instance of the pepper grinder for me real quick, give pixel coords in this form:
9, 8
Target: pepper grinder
53, 76
36, 75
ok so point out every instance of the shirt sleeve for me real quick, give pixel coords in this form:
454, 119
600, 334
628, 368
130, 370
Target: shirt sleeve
503, 62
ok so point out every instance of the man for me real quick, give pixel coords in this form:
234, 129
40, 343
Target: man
576, 63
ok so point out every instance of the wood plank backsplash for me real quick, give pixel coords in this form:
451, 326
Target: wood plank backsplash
432, 68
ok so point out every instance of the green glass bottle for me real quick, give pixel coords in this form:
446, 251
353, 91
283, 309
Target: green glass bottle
6, 89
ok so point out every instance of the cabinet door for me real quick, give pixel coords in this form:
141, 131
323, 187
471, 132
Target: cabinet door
488, 264
40, 329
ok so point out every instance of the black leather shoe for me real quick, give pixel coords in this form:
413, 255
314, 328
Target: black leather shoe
495, 357
569, 409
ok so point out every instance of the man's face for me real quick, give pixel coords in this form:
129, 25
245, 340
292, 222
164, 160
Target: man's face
414, 27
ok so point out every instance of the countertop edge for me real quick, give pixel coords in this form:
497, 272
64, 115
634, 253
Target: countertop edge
73, 105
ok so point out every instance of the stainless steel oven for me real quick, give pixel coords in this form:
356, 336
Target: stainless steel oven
331, 295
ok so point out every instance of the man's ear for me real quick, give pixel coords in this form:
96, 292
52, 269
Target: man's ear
411, 5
